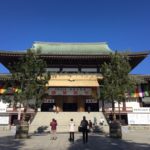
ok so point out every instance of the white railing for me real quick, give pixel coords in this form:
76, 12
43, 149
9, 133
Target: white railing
121, 109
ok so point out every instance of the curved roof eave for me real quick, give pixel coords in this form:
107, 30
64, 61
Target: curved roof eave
13, 51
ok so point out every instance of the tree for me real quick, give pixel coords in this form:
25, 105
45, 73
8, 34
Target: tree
116, 81
30, 73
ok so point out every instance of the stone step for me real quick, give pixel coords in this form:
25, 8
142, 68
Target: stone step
42, 120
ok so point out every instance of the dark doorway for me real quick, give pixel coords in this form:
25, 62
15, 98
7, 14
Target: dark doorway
123, 121
13, 119
69, 106
47, 107
92, 107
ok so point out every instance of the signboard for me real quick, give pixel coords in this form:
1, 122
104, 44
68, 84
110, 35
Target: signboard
70, 91
141, 110
49, 101
91, 101
137, 118
4, 120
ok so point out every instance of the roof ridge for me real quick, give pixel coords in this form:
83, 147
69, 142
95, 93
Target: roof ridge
93, 43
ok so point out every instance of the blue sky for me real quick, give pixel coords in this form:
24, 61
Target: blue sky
123, 24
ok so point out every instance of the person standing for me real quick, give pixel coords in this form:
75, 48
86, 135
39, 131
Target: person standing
57, 109
90, 126
53, 125
101, 121
54, 108
71, 130
89, 109
84, 125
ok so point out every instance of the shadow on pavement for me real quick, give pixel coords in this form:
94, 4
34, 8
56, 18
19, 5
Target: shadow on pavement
39, 134
97, 142
9, 142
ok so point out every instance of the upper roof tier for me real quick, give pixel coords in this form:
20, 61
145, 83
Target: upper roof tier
71, 54
71, 48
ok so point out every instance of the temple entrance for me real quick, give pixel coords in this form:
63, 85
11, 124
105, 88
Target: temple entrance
69, 106
47, 106
91, 107
14, 117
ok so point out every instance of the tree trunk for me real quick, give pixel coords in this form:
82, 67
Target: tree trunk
113, 110
24, 114
124, 105
119, 112
19, 114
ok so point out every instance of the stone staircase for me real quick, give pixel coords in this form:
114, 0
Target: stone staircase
42, 120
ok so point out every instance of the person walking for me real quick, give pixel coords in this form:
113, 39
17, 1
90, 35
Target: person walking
84, 124
57, 109
53, 125
71, 130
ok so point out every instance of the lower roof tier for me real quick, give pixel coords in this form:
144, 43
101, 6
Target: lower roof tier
79, 61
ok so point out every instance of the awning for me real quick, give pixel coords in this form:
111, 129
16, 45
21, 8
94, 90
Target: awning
73, 83
146, 100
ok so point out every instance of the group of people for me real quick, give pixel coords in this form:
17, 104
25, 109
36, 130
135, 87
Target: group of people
85, 125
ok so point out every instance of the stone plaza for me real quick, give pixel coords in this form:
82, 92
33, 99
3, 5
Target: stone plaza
131, 140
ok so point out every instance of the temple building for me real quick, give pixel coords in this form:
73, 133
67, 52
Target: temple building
75, 74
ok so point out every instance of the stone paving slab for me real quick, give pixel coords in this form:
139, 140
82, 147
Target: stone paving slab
130, 141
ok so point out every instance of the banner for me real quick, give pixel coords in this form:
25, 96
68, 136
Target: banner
141, 110
70, 91
139, 118
9, 90
139, 91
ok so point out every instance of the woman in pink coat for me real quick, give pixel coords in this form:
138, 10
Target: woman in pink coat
53, 125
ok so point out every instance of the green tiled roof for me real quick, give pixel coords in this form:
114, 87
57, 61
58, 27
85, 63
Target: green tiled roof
71, 48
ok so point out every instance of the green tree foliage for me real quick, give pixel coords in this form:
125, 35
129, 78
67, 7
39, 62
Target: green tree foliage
30, 73
116, 81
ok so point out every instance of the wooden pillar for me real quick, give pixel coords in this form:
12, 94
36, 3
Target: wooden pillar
81, 102
59, 103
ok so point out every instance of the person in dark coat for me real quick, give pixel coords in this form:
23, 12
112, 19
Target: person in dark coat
84, 125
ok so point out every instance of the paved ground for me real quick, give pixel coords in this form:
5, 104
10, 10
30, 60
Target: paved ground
131, 141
